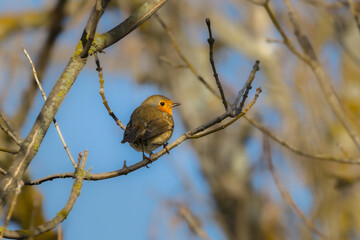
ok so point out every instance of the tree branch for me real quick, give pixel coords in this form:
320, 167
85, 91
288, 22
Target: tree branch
89, 32
44, 97
102, 93
63, 213
309, 57
8, 129
182, 57
211, 42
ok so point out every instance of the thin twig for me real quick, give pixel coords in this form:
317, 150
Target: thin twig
11, 208
8, 129
60, 233
258, 91
284, 193
2, 171
355, 12
192, 221
298, 151
246, 88
62, 214
44, 97
287, 41
309, 57
211, 42
55, 25
182, 56
34, 212
9, 150
167, 61
102, 93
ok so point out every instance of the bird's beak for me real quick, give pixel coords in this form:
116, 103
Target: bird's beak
175, 105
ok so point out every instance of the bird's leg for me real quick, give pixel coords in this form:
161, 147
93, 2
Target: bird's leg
165, 146
145, 157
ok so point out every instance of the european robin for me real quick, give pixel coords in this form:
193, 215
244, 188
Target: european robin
151, 124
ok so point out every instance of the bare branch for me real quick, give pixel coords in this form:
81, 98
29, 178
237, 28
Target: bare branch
355, 12
98, 11
140, 15
62, 214
192, 221
323, 80
182, 56
11, 209
102, 93
8, 129
211, 42
167, 61
9, 150
44, 97
309, 57
246, 88
258, 91
298, 151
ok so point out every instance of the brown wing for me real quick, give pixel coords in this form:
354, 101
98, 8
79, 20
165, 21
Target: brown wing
135, 128
156, 127
132, 133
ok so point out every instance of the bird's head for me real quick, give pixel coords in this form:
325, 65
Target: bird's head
161, 102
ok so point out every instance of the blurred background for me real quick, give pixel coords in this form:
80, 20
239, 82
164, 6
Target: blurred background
216, 187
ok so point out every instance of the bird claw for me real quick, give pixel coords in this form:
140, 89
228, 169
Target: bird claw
148, 159
167, 150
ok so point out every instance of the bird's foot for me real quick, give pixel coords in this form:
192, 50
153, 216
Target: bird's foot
148, 159
167, 150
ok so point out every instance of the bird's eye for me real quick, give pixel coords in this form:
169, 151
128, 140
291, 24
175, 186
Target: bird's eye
162, 103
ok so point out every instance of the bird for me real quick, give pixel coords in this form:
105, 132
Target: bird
151, 125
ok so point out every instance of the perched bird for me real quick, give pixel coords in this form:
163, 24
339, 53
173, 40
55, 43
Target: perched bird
151, 124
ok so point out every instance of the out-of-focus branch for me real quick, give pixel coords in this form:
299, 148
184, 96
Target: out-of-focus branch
11, 151
355, 10
298, 151
284, 193
192, 221
309, 57
55, 18
44, 97
62, 86
63, 213
329, 5
182, 56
